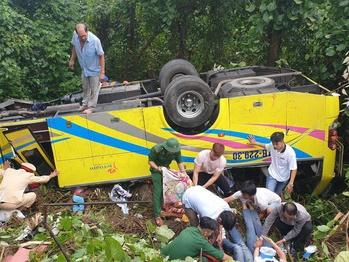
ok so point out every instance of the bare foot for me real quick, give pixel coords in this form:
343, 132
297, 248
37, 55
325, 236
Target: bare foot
87, 111
159, 222
82, 108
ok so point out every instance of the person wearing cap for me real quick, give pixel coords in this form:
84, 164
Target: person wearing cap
161, 155
208, 168
13, 184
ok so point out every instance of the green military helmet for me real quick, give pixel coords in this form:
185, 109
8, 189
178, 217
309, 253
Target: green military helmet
171, 145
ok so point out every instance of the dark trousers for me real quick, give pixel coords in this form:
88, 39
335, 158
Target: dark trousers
301, 239
221, 182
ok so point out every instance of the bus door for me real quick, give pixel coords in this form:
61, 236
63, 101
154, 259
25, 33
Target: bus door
6, 151
29, 150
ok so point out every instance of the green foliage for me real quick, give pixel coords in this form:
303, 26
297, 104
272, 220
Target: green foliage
140, 36
34, 48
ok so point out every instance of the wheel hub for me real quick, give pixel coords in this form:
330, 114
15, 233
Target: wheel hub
190, 104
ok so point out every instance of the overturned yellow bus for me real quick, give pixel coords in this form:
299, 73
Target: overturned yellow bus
224, 106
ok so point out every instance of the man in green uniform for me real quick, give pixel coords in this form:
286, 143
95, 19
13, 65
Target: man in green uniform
193, 241
161, 155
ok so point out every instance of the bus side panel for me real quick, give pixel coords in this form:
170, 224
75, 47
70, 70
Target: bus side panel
332, 113
257, 115
308, 124
104, 147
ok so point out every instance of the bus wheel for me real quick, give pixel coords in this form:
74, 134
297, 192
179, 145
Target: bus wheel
189, 102
174, 69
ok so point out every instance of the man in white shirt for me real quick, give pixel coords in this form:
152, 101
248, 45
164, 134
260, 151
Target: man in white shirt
259, 197
209, 167
254, 198
283, 167
198, 201
204, 203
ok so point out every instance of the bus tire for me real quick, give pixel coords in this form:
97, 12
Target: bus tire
174, 69
189, 101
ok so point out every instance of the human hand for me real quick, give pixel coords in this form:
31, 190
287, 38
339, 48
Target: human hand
71, 64
183, 173
101, 77
54, 173
280, 242
289, 188
268, 239
251, 139
6, 165
258, 243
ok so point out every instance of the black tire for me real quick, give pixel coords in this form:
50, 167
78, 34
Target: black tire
173, 69
247, 85
189, 102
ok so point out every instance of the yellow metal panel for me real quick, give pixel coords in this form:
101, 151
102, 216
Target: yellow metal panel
254, 115
109, 129
94, 170
66, 140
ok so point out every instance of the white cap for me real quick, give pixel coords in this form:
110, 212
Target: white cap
29, 166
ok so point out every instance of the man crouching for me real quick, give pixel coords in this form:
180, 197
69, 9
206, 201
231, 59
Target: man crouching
14, 182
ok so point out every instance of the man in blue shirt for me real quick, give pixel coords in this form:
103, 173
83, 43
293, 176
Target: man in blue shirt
88, 49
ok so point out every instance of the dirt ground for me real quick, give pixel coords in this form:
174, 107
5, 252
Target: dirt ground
134, 223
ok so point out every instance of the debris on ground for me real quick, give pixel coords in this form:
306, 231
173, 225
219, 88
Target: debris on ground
120, 194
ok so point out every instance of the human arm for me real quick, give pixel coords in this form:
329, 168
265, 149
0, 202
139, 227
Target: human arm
269, 221
213, 178
252, 141
296, 230
181, 168
210, 250
290, 184
5, 166
43, 179
196, 171
279, 252
154, 166
258, 245
153, 159
72, 58
292, 164
102, 64
233, 197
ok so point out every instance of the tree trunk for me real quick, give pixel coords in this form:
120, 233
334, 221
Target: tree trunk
181, 27
274, 37
131, 39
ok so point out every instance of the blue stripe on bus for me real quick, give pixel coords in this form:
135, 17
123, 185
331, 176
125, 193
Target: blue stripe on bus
85, 133
82, 132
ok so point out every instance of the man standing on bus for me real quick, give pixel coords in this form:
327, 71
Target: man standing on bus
209, 167
161, 155
88, 49
283, 167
